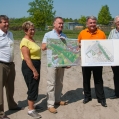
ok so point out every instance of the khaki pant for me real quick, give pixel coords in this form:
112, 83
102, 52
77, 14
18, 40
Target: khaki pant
54, 85
7, 78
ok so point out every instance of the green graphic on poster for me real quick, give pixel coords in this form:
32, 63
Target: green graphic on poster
62, 52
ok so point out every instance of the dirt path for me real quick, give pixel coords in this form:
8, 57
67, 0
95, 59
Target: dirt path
72, 91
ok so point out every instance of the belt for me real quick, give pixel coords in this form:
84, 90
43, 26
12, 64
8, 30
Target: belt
63, 67
7, 63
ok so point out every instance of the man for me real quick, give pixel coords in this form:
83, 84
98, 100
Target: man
114, 34
55, 75
92, 33
7, 67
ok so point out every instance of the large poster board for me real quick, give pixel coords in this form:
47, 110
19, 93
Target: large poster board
100, 52
62, 52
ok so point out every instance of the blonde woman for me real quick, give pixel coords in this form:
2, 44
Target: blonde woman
31, 55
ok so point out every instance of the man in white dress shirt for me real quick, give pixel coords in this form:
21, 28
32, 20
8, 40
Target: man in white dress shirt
7, 66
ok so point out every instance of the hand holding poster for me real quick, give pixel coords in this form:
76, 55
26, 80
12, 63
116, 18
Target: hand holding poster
62, 52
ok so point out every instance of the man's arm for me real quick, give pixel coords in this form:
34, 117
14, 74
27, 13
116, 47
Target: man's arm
44, 42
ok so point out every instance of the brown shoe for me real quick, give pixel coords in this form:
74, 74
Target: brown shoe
61, 103
52, 110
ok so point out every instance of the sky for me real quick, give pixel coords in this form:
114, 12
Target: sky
64, 8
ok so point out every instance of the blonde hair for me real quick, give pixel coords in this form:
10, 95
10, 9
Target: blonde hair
26, 25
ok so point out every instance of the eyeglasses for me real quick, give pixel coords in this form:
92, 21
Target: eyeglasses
31, 29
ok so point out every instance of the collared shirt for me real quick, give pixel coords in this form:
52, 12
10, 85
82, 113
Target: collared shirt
6, 47
86, 35
53, 34
114, 34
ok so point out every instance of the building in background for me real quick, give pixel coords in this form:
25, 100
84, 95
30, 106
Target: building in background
72, 26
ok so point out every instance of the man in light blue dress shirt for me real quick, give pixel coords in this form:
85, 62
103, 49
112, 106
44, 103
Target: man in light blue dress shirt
55, 75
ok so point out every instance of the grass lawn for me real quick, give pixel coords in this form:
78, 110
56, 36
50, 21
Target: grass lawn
18, 35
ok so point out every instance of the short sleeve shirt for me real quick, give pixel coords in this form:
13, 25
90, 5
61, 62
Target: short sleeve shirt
35, 51
114, 34
52, 34
86, 35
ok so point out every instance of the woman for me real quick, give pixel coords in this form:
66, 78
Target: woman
114, 34
31, 55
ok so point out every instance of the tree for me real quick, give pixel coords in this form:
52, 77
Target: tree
16, 23
104, 15
82, 21
41, 12
75, 20
68, 19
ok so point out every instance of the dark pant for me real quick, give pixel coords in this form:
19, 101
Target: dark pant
7, 78
98, 81
116, 79
32, 84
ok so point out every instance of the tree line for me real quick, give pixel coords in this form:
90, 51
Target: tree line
41, 13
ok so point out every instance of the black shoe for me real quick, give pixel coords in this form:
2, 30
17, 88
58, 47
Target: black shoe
103, 103
17, 108
114, 97
4, 117
86, 100
37, 107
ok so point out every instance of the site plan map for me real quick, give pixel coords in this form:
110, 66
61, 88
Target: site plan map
62, 52
97, 52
